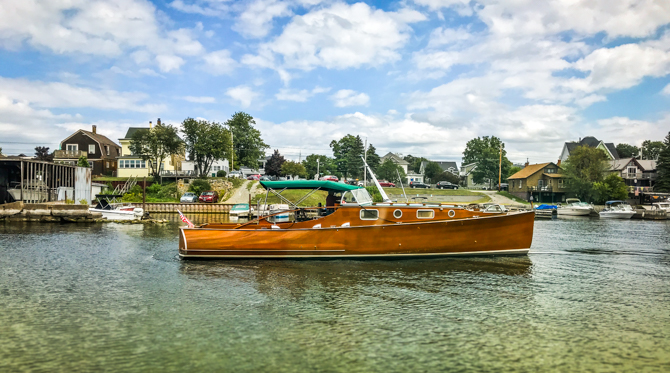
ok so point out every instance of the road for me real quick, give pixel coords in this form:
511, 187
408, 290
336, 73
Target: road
497, 198
241, 195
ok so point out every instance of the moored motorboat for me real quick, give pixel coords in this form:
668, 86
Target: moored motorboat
351, 225
617, 210
575, 207
117, 211
240, 209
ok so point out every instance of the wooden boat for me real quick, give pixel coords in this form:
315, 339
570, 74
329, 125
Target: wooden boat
354, 227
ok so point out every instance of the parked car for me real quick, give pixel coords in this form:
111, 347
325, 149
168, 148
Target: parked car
281, 178
209, 196
189, 198
254, 177
386, 184
446, 185
330, 178
416, 184
236, 174
265, 178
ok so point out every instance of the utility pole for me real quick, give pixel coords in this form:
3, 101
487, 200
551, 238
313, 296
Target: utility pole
500, 168
232, 151
317, 169
365, 171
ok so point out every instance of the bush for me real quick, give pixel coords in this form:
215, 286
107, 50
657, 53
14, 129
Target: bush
198, 186
221, 173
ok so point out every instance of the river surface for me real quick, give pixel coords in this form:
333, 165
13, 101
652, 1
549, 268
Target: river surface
593, 295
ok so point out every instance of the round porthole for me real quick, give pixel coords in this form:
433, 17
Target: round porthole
451, 213
397, 214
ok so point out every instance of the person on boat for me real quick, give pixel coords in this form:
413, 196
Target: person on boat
331, 200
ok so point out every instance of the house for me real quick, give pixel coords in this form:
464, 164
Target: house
636, 173
131, 165
411, 176
592, 142
100, 151
543, 181
447, 166
467, 179
189, 168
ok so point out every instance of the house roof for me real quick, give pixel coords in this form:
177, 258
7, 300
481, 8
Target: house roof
647, 164
445, 165
610, 146
553, 176
644, 164
529, 170
102, 139
396, 158
592, 142
132, 130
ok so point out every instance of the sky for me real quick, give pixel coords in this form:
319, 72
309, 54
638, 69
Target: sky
419, 77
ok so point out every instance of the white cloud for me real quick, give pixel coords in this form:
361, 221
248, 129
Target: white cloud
200, 99
219, 62
205, 8
167, 63
632, 131
286, 94
107, 28
242, 94
339, 37
256, 20
348, 97
666, 90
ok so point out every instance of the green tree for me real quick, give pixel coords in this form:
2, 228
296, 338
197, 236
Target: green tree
347, 153
290, 168
273, 165
248, 145
627, 150
651, 149
663, 167
373, 158
612, 187
205, 142
1, 155
387, 171
42, 154
512, 170
432, 170
585, 167
198, 186
485, 151
155, 144
83, 162
414, 163
325, 166
446, 176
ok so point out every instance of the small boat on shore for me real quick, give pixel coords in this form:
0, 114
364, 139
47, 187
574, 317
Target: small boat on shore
545, 211
116, 210
617, 210
575, 207
350, 225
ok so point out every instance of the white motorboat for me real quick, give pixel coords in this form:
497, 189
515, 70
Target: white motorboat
661, 206
575, 207
617, 210
240, 209
117, 211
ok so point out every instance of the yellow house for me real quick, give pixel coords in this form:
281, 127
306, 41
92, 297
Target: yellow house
130, 165
543, 181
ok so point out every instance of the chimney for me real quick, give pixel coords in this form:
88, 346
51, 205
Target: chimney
526, 165
95, 129
149, 124
158, 122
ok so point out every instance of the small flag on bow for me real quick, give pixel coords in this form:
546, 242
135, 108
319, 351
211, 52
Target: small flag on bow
185, 219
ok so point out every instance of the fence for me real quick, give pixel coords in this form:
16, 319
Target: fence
194, 208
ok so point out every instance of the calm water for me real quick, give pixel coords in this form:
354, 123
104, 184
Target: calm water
592, 295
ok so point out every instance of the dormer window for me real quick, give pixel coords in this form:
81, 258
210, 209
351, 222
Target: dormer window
107, 149
550, 170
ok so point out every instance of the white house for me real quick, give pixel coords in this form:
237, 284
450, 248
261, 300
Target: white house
411, 176
190, 168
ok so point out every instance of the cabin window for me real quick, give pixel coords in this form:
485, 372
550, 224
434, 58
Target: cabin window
91, 149
425, 214
397, 214
368, 214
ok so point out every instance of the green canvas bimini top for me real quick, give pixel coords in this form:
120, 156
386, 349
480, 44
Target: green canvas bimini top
309, 184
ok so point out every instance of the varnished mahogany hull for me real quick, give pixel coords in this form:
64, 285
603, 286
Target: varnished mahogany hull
487, 235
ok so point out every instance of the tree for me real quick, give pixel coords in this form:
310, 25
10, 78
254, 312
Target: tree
389, 170
347, 153
446, 176
273, 165
651, 149
584, 167
611, 188
663, 167
155, 144
1, 155
512, 170
414, 163
372, 158
42, 154
432, 170
83, 162
325, 166
248, 145
205, 142
290, 168
199, 185
627, 150
485, 152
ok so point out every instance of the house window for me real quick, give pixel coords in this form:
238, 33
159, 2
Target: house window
144, 164
560, 183
91, 148
520, 184
72, 148
632, 171
107, 149
106, 164
425, 214
368, 214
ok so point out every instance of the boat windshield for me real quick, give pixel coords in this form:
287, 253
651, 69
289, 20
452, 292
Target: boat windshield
360, 196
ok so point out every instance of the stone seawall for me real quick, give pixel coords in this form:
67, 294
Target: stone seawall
46, 212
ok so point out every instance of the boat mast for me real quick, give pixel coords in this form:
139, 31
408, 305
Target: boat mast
385, 198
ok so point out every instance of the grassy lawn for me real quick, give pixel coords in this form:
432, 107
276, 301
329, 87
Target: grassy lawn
435, 192
294, 195
251, 184
110, 178
513, 197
